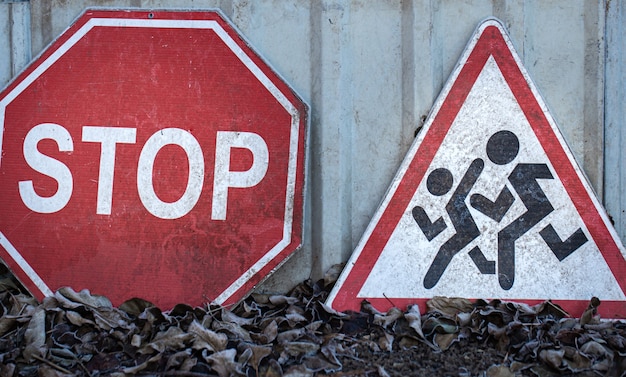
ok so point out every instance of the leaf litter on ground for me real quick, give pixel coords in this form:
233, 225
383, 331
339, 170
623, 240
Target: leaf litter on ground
82, 334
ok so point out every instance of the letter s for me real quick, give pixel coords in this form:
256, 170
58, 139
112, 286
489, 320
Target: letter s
48, 166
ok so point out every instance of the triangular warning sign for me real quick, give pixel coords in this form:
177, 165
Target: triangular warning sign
488, 203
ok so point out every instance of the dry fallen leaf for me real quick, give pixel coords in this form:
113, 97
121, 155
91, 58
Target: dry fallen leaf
207, 339
224, 363
449, 306
499, 371
35, 336
384, 320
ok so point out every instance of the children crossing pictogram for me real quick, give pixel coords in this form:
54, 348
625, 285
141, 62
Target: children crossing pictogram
488, 203
502, 148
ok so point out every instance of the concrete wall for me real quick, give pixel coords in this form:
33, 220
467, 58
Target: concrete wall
371, 71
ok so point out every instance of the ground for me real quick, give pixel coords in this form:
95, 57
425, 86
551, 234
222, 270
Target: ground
81, 334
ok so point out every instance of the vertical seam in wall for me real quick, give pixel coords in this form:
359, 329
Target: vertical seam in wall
621, 115
19, 34
621, 8
620, 11
12, 46
593, 87
498, 8
315, 176
522, 42
348, 134
436, 50
613, 117
527, 26
614, 108
606, 94
407, 38
46, 26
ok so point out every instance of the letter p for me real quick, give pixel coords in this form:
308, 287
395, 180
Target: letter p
224, 178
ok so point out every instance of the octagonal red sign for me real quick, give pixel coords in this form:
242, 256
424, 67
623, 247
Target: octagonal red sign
150, 154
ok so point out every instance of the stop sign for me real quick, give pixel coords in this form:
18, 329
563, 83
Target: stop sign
150, 154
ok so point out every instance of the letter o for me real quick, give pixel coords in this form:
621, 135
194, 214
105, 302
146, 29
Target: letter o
145, 168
